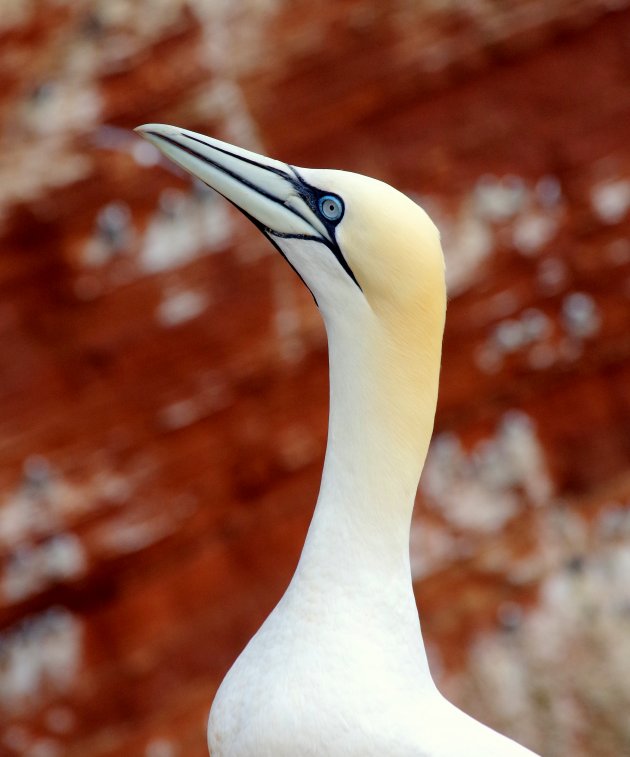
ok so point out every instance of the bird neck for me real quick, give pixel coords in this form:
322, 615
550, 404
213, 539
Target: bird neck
384, 371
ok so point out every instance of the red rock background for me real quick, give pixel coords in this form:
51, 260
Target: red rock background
163, 377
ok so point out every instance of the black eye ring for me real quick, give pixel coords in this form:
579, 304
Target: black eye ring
330, 207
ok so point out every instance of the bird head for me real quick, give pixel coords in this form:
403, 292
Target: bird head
358, 244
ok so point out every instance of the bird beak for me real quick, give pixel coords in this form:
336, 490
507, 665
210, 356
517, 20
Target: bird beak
270, 193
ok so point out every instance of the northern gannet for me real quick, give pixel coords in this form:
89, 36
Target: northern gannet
339, 668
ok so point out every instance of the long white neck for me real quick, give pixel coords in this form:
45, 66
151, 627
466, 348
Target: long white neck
383, 394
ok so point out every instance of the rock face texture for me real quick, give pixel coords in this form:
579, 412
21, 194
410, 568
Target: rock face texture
163, 377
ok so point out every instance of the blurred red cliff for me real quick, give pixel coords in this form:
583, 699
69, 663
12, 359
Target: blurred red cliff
163, 375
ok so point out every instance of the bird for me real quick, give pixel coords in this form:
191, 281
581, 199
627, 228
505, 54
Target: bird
339, 667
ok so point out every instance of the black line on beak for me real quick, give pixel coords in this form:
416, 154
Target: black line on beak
234, 175
271, 169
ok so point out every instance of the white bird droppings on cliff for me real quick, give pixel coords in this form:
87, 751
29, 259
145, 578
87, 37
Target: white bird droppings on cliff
479, 490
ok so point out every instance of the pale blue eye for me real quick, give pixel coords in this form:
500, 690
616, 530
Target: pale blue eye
331, 207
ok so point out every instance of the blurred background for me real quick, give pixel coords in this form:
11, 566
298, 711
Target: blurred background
163, 374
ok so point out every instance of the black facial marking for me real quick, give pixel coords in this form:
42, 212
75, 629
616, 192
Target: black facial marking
312, 195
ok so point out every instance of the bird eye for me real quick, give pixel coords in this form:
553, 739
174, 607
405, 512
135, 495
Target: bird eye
331, 207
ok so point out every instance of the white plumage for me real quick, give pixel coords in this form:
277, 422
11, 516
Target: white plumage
339, 668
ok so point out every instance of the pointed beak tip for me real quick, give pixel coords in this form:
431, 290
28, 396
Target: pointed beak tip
144, 129
150, 131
